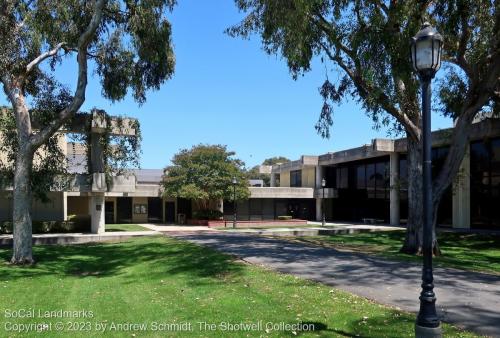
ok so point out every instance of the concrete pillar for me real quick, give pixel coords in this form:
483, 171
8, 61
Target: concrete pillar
319, 211
65, 206
96, 154
96, 210
461, 195
394, 186
319, 176
273, 179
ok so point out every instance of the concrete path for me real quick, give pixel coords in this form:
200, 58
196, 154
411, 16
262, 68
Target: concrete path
79, 238
314, 230
173, 227
466, 299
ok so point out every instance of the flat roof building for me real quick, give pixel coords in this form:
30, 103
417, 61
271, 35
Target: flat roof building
367, 182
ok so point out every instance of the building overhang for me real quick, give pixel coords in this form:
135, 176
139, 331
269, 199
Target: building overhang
281, 192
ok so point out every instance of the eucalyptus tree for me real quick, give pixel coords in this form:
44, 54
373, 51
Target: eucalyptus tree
367, 44
126, 43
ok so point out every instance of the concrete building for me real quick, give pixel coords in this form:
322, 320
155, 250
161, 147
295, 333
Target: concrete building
368, 183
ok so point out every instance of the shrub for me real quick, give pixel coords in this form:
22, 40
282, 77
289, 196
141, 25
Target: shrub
208, 214
75, 224
284, 218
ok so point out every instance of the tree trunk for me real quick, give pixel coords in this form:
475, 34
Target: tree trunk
22, 248
414, 229
414, 238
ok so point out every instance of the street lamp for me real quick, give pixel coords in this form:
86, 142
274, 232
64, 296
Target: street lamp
235, 182
426, 49
323, 185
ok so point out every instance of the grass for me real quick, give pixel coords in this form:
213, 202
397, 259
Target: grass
124, 227
474, 252
157, 279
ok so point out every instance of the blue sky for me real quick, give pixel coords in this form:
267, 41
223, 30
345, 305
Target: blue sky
228, 91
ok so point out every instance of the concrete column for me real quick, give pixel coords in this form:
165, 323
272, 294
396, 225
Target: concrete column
273, 179
96, 154
65, 206
319, 176
319, 212
394, 186
461, 195
96, 210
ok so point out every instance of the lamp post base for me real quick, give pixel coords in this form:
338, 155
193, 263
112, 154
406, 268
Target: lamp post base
428, 332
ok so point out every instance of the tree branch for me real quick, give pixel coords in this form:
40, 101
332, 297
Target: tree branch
43, 57
79, 97
383, 100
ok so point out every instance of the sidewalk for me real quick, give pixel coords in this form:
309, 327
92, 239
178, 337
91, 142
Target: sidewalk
466, 299
79, 238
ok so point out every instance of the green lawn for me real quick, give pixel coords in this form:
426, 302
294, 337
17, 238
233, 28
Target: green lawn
475, 252
157, 279
124, 227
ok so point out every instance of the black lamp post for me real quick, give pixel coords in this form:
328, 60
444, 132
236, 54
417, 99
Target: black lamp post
323, 185
235, 182
426, 48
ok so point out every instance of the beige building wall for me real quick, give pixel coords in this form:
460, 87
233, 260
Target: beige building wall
139, 218
285, 179
53, 210
308, 177
78, 205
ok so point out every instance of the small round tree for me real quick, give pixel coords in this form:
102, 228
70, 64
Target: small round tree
204, 174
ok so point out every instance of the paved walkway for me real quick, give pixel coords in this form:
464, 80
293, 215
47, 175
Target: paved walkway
79, 238
466, 299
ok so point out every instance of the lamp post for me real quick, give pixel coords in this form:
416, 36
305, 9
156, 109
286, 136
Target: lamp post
426, 48
235, 182
323, 185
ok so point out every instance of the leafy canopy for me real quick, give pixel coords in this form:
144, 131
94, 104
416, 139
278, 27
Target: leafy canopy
131, 47
367, 44
205, 173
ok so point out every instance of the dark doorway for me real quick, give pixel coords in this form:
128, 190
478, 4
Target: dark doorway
184, 207
124, 209
169, 212
154, 210
109, 212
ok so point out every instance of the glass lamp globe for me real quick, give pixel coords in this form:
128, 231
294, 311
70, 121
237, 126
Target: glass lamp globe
426, 50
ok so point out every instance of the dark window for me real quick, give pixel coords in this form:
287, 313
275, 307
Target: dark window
485, 184
361, 177
330, 175
343, 177
296, 178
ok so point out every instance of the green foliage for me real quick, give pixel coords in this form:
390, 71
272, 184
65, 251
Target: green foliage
367, 44
254, 173
275, 160
81, 224
132, 47
205, 173
208, 214
49, 170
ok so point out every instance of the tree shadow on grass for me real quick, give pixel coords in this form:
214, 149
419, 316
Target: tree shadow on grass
150, 258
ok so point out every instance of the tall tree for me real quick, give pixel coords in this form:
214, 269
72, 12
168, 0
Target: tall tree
128, 43
367, 43
204, 174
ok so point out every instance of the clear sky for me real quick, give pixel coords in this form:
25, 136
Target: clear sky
228, 91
